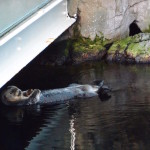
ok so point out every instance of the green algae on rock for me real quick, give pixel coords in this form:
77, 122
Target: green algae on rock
133, 49
82, 49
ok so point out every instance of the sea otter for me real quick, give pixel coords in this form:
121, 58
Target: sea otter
12, 95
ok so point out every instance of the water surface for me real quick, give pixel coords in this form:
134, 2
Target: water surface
120, 123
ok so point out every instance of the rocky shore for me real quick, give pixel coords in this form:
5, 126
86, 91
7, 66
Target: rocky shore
133, 49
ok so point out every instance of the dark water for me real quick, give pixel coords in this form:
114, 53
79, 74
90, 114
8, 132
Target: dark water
120, 123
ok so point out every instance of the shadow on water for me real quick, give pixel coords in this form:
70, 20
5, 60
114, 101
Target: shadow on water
122, 122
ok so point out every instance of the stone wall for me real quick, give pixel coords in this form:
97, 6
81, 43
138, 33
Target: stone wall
110, 18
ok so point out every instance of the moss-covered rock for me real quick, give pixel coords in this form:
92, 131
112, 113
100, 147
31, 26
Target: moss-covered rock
132, 49
81, 49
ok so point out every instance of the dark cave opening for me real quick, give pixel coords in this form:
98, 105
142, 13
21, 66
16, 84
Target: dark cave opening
134, 29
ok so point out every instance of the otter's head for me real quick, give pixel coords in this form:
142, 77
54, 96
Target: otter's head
13, 95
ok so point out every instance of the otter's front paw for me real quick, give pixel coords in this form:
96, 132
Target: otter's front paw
35, 97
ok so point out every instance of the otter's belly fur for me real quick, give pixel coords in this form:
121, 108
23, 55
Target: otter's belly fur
56, 95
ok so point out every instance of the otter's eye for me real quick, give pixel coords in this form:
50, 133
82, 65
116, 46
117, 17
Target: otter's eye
11, 92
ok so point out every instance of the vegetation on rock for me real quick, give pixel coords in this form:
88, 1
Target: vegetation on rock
81, 49
135, 48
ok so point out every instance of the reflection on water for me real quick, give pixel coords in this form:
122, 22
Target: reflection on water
73, 134
122, 122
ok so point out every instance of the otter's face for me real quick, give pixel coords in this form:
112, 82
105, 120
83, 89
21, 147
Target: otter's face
13, 94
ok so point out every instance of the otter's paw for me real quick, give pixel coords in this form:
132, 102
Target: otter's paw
35, 97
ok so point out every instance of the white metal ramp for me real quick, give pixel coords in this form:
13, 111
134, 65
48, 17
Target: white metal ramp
26, 32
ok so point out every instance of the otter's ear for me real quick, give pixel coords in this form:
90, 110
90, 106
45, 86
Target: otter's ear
4, 98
